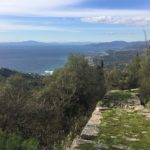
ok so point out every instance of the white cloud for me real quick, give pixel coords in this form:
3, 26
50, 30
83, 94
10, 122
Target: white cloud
119, 20
58, 8
5, 27
63, 8
72, 12
33, 7
35, 4
112, 33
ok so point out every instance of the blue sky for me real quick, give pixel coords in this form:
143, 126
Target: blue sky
74, 20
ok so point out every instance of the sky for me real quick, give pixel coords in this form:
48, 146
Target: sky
74, 20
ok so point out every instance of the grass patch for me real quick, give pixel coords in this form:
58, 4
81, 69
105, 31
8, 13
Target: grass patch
122, 130
148, 105
87, 147
117, 99
125, 130
120, 96
99, 103
16, 142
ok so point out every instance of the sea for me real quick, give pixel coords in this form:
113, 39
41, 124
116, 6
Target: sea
40, 59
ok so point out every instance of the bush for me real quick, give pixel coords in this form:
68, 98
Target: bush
145, 79
60, 105
16, 142
13, 142
30, 144
133, 72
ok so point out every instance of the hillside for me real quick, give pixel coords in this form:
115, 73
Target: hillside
37, 57
49, 112
114, 45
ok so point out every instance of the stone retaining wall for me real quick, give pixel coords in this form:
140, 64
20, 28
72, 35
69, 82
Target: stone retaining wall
90, 131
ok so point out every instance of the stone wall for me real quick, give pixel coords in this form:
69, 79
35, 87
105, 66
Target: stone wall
90, 131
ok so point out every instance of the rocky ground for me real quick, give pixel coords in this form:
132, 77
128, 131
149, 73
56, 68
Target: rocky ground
113, 128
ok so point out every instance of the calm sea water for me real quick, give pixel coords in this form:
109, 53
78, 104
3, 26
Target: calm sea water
38, 59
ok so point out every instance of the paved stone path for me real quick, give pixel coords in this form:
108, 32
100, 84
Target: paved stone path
91, 129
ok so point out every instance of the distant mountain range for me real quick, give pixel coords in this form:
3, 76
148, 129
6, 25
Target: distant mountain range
36, 43
121, 45
114, 45
38, 57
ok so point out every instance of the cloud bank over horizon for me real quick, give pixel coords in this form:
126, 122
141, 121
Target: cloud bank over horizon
120, 20
85, 20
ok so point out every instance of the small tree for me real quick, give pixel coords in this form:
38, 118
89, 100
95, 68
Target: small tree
133, 70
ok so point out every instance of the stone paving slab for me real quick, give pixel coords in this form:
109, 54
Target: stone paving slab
92, 127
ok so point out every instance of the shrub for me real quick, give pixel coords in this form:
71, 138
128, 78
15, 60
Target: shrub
30, 144
16, 142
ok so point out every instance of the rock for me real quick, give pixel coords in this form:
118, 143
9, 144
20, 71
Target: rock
129, 111
144, 132
91, 129
78, 142
113, 137
119, 146
136, 135
127, 126
116, 119
148, 115
89, 132
146, 110
138, 107
131, 139
104, 108
131, 107
101, 146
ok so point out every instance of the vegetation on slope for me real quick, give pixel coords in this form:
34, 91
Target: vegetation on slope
16, 142
135, 75
53, 109
50, 108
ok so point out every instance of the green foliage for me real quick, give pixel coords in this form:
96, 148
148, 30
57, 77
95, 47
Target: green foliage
3, 139
30, 144
13, 142
14, 101
87, 147
69, 94
117, 99
50, 108
16, 142
127, 78
145, 79
116, 79
148, 105
138, 75
121, 96
112, 77
133, 70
